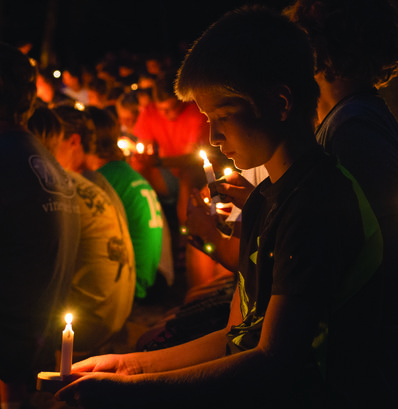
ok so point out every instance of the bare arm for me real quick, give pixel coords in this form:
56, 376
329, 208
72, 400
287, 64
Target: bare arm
284, 344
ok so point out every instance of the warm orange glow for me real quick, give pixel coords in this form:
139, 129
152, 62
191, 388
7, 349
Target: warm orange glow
227, 171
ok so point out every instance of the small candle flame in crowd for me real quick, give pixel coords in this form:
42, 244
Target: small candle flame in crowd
79, 106
126, 145
140, 147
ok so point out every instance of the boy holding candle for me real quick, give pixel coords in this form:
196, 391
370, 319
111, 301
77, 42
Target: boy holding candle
304, 313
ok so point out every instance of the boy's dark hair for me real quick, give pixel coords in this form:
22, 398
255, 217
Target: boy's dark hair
76, 121
107, 132
247, 53
351, 39
17, 85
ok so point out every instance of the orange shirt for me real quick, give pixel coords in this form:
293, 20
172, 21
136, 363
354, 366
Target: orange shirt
177, 137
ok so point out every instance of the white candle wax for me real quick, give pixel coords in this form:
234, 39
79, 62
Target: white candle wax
210, 177
67, 347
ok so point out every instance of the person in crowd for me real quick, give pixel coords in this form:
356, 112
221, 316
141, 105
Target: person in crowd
304, 314
353, 58
145, 86
97, 93
40, 233
73, 84
128, 72
178, 129
49, 89
143, 210
127, 110
103, 285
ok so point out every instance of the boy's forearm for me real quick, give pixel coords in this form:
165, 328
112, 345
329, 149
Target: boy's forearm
209, 347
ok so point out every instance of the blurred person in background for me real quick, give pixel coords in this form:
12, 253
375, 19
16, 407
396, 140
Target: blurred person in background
40, 227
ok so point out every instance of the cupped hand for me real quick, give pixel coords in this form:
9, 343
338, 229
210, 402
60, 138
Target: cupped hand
235, 188
199, 222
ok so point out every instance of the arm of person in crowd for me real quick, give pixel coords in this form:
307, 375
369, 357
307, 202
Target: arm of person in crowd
234, 188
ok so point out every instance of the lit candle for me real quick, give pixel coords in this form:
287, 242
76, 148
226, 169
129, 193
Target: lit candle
67, 347
208, 168
140, 148
210, 177
126, 145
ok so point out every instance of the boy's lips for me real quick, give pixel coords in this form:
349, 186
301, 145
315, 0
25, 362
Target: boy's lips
228, 154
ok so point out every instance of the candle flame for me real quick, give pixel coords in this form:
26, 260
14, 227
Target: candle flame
69, 318
122, 144
140, 147
227, 171
79, 106
203, 155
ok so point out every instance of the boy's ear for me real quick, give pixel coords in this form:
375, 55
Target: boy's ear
284, 100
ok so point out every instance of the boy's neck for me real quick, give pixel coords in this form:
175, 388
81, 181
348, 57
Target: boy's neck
288, 152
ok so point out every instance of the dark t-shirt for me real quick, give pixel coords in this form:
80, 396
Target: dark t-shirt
362, 132
311, 234
40, 228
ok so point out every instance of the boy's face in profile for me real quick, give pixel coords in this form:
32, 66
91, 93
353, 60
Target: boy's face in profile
234, 127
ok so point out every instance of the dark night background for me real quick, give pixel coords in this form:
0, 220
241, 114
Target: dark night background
84, 30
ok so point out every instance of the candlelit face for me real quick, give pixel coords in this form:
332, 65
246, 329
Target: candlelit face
234, 127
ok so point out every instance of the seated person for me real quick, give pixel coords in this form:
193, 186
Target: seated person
103, 285
40, 231
143, 210
49, 89
178, 129
305, 312
97, 93
73, 87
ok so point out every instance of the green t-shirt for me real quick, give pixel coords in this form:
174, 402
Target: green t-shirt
144, 217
